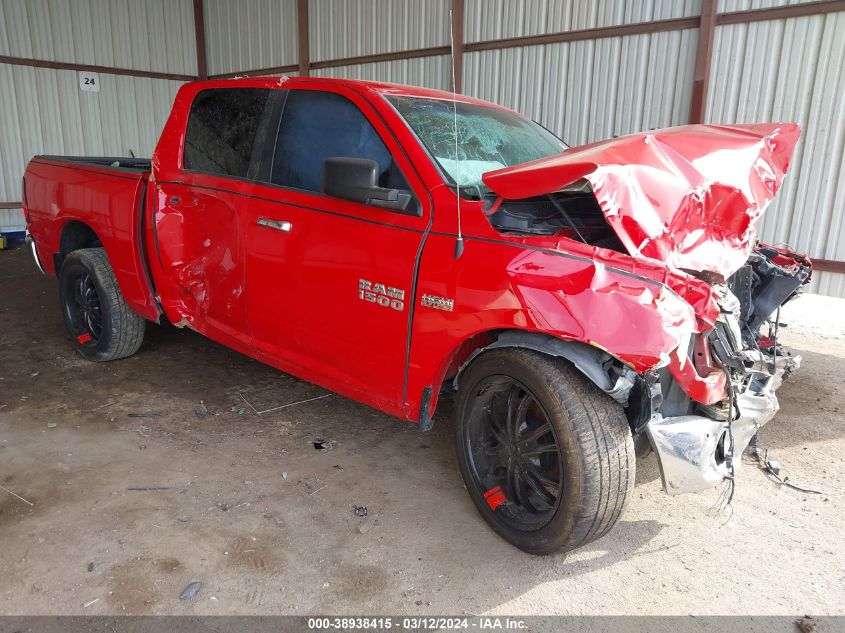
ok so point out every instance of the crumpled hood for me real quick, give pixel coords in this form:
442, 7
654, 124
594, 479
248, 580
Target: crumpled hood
689, 196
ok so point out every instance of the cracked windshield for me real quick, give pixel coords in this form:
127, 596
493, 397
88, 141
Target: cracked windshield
489, 138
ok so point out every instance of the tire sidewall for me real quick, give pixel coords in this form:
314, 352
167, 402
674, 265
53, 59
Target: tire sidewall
556, 533
77, 263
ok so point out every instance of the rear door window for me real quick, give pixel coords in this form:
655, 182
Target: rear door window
224, 130
318, 125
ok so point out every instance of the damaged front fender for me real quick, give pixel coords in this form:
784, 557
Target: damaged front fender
633, 318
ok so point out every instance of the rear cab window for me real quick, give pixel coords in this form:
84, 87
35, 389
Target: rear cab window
223, 132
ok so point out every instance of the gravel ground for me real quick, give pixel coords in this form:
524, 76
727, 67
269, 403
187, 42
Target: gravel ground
132, 495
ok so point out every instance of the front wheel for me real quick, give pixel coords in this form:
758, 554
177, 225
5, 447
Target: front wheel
101, 326
546, 456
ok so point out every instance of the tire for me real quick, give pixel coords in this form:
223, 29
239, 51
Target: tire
569, 437
100, 324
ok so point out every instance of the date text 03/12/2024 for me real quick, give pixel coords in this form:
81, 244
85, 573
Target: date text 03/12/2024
479, 623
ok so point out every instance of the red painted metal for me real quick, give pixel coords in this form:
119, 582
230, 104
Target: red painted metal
690, 195
291, 299
107, 201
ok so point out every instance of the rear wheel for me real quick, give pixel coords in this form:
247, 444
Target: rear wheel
546, 456
101, 326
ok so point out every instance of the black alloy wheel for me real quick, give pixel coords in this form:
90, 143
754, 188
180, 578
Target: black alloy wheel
546, 456
101, 325
514, 452
83, 309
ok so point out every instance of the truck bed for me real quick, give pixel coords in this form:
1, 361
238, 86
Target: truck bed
95, 201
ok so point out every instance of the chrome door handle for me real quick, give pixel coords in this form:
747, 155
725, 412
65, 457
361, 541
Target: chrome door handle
279, 225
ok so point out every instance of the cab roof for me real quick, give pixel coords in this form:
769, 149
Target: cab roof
357, 85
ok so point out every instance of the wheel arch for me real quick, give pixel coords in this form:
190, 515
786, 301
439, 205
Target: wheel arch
74, 236
606, 371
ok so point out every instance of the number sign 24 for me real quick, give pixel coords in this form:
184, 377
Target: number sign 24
89, 82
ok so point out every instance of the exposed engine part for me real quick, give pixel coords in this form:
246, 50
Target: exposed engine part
699, 449
573, 212
769, 279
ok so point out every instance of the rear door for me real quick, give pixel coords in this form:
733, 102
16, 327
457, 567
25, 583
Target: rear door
200, 215
331, 281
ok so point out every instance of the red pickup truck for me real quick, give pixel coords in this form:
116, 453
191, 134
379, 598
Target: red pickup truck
394, 244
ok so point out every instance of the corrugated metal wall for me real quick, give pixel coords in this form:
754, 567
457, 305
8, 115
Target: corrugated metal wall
793, 70
584, 90
351, 28
498, 19
788, 69
153, 35
43, 111
430, 72
594, 89
745, 5
250, 34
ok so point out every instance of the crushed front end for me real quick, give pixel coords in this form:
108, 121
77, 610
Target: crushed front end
699, 435
679, 205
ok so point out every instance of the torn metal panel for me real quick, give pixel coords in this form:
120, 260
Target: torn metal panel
698, 451
689, 196
200, 250
597, 305
771, 277
686, 448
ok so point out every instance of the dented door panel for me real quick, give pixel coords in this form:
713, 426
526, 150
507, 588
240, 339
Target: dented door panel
201, 256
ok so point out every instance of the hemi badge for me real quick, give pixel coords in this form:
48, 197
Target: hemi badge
439, 303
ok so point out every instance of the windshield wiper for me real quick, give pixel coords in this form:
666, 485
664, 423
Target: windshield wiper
566, 217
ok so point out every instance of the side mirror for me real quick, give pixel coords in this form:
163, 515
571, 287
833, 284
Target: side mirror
356, 179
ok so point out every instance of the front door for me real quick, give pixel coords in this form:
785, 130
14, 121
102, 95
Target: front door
331, 281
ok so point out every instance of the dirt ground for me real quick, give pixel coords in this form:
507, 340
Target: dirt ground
134, 495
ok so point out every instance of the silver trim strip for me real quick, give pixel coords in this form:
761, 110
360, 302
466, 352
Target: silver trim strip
31, 241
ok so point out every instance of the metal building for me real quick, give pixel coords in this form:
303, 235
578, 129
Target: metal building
587, 69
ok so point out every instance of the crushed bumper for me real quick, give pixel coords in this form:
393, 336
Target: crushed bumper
697, 452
